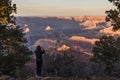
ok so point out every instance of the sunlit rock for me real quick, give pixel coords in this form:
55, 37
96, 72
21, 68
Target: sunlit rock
48, 28
63, 48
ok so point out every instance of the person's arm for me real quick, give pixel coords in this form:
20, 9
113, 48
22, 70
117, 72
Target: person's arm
43, 51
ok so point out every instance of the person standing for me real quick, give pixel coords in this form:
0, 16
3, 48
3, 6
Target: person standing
39, 51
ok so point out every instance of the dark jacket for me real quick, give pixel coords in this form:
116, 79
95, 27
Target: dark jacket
38, 53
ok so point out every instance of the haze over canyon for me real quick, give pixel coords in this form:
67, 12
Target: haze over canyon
77, 34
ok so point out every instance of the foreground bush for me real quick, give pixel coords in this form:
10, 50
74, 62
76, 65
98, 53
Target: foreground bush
65, 65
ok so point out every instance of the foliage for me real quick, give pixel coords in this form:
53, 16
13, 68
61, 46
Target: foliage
65, 65
113, 15
107, 51
13, 52
26, 72
6, 9
58, 65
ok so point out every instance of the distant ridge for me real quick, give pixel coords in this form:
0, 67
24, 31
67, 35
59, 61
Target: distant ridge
70, 17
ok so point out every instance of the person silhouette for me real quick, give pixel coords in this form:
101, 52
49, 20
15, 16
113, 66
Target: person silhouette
39, 51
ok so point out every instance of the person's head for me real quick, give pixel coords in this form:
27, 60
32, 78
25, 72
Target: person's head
38, 47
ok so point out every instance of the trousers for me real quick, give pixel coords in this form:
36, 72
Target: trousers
39, 67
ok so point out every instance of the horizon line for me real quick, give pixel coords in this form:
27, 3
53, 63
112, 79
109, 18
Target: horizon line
67, 16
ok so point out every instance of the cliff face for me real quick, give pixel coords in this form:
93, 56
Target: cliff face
82, 18
77, 25
78, 32
83, 39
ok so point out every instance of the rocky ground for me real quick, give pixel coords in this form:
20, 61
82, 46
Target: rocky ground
60, 78
53, 78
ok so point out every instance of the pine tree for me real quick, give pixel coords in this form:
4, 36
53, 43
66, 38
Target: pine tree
107, 49
107, 52
6, 9
113, 15
13, 53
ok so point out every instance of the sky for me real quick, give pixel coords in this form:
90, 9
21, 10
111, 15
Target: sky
62, 7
